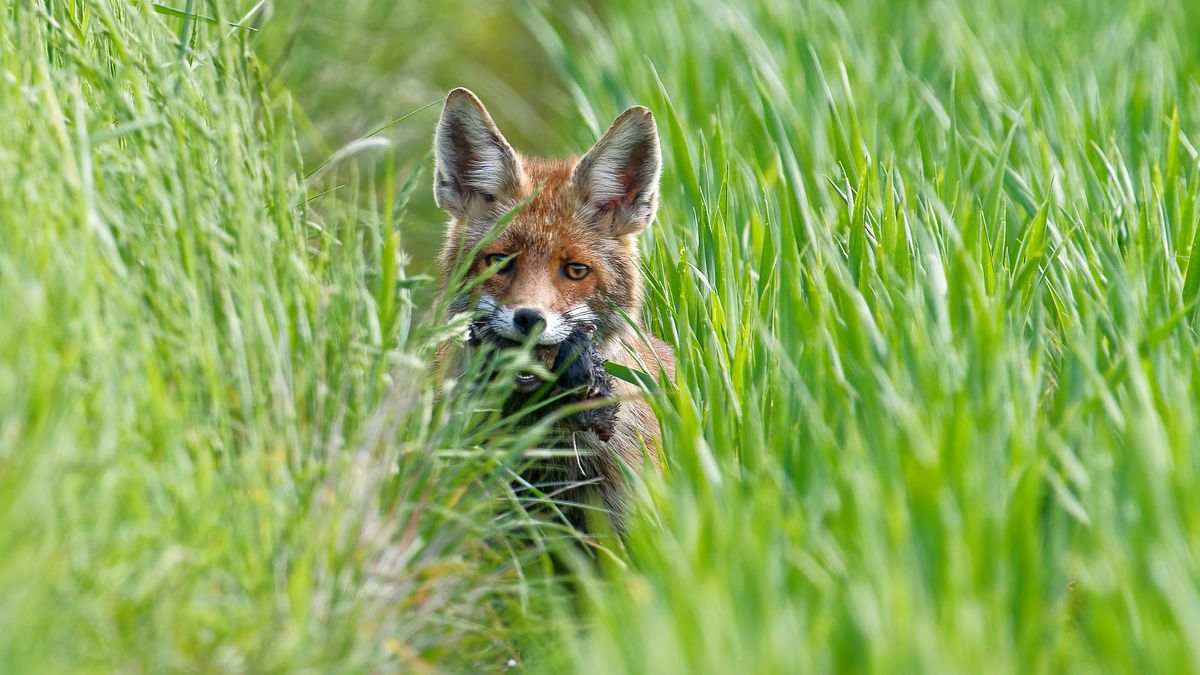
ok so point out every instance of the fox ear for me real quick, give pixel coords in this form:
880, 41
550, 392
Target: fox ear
473, 165
617, 180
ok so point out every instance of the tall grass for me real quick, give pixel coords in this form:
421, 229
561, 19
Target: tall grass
219, 444
928, 268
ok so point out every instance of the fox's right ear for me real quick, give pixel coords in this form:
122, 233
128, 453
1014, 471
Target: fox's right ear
474, 167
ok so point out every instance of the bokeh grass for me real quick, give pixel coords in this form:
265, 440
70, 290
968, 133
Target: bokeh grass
928, 268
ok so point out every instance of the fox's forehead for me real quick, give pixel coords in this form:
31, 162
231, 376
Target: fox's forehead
549, 183
550, 223
553, 176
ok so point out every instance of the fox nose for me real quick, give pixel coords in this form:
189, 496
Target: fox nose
526, 320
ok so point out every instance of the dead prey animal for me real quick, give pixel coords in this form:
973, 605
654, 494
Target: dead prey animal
579, 372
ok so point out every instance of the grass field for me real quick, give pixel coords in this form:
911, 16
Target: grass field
927, 266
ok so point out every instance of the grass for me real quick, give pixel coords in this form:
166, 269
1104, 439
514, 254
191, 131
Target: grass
928, 268
220, 445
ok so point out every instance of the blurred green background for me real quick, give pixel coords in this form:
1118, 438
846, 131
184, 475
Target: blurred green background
354, 66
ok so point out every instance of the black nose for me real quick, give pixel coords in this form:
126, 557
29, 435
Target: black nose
528, 319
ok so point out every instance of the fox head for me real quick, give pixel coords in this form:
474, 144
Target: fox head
569, 258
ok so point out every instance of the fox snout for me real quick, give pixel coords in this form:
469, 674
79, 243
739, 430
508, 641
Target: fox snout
527, 320
519, 323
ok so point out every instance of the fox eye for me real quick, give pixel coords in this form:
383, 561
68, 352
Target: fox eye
498, 259
575, 271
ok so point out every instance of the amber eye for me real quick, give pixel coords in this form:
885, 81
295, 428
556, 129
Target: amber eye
575, 271
499, 259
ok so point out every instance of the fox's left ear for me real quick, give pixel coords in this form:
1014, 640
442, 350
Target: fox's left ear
617, 180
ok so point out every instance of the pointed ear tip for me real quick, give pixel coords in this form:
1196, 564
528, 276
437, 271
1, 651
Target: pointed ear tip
460, 91
638, 116
461, 98
638, 112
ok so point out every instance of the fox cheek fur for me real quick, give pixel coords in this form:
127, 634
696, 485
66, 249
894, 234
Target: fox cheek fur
567, 262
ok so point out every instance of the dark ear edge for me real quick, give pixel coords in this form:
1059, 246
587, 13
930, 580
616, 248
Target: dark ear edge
474, 166
617, 180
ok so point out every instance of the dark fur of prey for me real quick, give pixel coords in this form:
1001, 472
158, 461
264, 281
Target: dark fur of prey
580, 371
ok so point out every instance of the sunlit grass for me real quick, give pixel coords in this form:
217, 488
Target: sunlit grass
928, 270
219, 444
927, 266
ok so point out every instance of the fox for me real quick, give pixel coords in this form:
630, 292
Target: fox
564, 272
